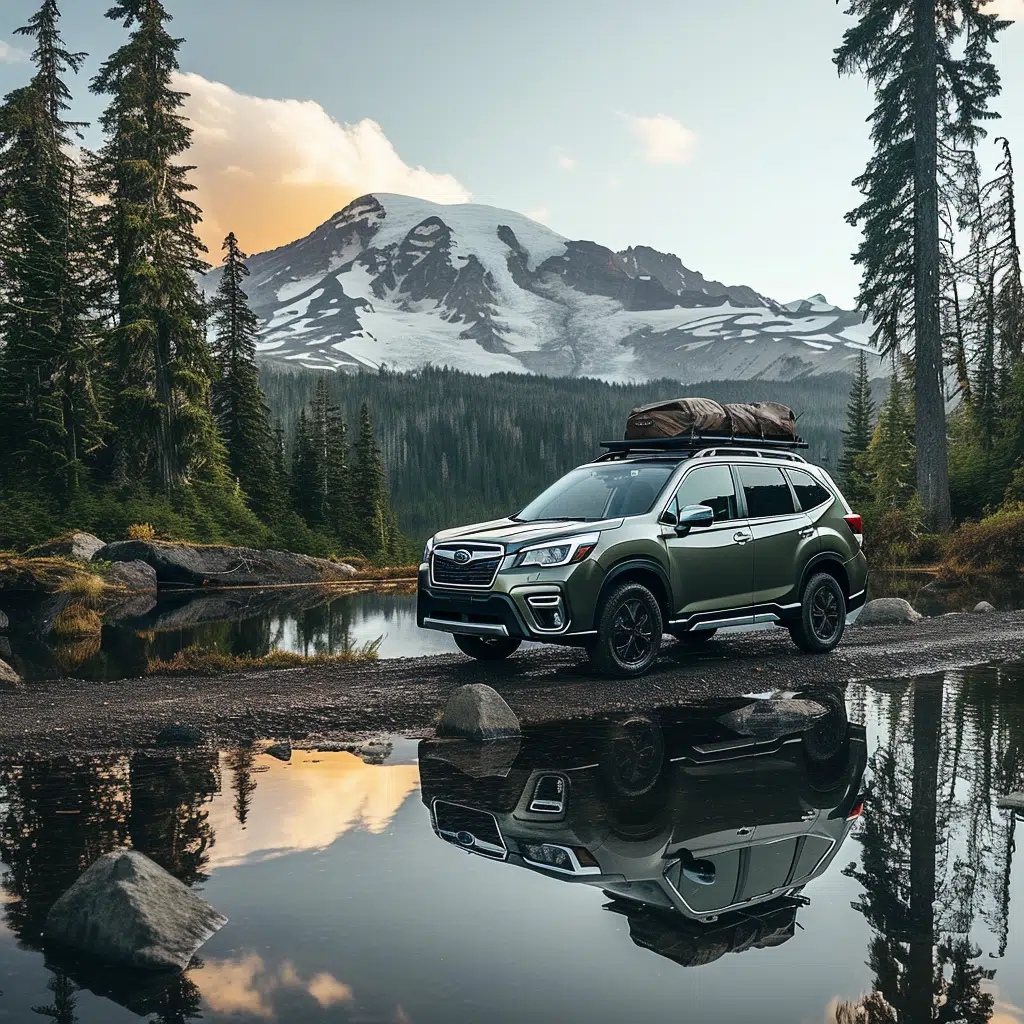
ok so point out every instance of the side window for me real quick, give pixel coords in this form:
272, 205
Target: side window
766, 491
809, 493
712, 486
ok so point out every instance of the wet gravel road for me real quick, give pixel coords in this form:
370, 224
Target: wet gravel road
544, 684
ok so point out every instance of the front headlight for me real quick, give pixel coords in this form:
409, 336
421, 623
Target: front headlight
427, 550
564, 552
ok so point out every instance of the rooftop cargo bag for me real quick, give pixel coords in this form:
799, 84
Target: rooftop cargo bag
681, 417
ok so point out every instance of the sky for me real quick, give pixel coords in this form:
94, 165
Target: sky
719, 132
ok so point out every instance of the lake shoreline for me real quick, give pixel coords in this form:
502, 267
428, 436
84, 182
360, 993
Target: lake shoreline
406, 695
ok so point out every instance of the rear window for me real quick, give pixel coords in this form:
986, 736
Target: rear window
809, 493
766, 491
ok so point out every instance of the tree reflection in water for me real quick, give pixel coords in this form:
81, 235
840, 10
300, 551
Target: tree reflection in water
936, 854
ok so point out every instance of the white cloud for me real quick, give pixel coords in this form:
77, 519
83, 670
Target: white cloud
665, 139
11, 54
541, 214
1011, 9
566, 163
272, 170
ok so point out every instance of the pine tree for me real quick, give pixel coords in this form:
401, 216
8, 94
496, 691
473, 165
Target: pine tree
159, 359
50, 421
860, 419
238, 401
371, 504
304, 471
1009, 300
930, 104
891, 456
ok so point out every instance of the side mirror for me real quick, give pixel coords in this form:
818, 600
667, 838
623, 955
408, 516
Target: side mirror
694, 516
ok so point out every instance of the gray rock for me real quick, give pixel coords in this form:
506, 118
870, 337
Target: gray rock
5, 623
983, 608
8, 676
5, 647
477, 760
477, 712
282, 751
79, 546
768, 719
1012, 801
886, 611
220, 566
178, 734
136, 576
127, 910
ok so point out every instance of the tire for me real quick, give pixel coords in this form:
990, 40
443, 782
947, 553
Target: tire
695, 637
822, 615
633, 756
486, 648
629, 630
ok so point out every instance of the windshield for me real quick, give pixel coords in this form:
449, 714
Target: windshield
601, 492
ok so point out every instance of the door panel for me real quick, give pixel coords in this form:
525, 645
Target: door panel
712, 567
784, 538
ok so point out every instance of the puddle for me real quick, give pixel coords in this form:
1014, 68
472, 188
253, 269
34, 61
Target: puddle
254, 623
712, 858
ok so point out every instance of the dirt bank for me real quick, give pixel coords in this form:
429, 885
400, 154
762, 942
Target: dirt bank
541, 684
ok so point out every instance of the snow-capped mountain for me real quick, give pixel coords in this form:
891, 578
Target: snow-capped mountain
405, 282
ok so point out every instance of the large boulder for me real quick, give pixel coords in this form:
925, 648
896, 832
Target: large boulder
126, 910
8, 677
769, 719
79, 546
136, 576
887, 611
220, 566
984, 608
477, 760
477, 712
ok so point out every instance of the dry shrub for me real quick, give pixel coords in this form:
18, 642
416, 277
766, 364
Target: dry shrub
892, 537
141, 531
69, 657
205, 661
77, 620
85, 588
995, 545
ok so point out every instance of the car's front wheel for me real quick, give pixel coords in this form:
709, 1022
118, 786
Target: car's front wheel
486, 648
628, 632
822, 615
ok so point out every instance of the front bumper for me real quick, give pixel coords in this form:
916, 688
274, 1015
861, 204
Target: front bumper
544, 607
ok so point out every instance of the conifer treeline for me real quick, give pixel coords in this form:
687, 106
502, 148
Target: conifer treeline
113, 405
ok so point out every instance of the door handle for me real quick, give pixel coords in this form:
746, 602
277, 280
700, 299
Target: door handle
741, 537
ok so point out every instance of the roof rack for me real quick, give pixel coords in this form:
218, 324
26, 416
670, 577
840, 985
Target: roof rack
700, 443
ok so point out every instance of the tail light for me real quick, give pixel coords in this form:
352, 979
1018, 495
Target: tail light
857, 811
856, 524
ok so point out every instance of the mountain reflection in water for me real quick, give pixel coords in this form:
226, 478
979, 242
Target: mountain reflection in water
723, 865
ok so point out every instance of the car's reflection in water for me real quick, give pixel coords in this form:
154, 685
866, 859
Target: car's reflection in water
703, 825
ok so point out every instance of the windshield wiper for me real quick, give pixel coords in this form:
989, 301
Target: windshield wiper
562, 519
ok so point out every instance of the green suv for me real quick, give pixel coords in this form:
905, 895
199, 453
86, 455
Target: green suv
654, 538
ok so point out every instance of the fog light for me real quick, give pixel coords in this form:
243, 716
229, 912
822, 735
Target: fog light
551, 856
557, 620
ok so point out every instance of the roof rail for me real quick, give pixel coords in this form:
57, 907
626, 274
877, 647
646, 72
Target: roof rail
700, 443
710, 453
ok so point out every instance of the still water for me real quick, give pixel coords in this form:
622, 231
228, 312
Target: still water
254, 622
714, 863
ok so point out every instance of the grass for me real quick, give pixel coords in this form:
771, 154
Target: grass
83, 588
205, 661
46, 575
394, 572
993, 546
76, 621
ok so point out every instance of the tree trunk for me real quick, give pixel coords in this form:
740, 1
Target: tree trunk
924, 810
930, 410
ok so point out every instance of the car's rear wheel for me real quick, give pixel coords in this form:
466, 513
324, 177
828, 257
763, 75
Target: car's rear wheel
486, 648
822, 615
629, 632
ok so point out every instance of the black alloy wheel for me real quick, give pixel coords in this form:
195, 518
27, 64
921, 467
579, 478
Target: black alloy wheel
629, 632
822, 615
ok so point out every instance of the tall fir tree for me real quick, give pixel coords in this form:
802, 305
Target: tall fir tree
928, 61
50, 418
373, 520
165, 430
860, 422
1009, 298
238, 401
304, 471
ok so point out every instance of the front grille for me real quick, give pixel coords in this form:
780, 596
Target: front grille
477, 573
471, 829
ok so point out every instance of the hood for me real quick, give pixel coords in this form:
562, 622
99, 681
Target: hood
514, 535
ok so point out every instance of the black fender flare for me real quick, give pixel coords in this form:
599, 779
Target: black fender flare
631, 565
816, 562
